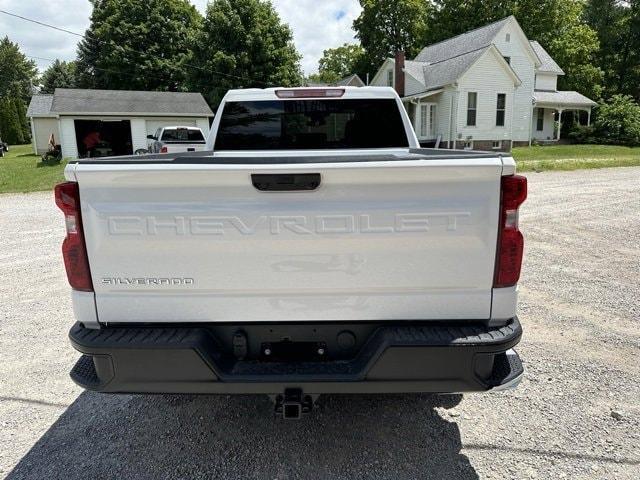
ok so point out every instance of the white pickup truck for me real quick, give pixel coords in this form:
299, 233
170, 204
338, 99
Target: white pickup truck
176, 139
313, 248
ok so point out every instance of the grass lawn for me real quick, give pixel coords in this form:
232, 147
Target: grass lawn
574, 157
22, 171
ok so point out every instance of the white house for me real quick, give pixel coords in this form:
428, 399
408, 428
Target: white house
489, 88
119, 119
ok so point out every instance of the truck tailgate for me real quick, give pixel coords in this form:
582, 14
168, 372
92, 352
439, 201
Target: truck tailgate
376, 240
184, 147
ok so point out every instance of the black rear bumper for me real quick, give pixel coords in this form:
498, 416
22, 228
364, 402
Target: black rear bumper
428, 357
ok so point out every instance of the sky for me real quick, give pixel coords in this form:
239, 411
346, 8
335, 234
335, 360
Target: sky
316, 24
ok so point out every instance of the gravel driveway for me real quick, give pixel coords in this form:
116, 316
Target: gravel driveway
575, 415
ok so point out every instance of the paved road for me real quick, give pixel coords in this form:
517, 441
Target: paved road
576, 414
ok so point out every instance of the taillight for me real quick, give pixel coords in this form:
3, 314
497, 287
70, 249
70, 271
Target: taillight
513, 191
164, 150
74, 250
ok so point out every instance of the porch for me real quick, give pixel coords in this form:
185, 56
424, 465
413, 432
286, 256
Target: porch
548, 109
422, 109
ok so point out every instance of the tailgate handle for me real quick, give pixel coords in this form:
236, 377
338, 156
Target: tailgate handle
285, 182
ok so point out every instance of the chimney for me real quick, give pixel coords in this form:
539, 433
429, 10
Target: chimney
399, 74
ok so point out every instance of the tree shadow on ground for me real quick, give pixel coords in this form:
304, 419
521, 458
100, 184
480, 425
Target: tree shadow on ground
188, 436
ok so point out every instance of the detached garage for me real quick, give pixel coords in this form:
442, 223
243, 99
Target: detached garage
89, 123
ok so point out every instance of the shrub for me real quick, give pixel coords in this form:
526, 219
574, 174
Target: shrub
618, 121
583, 134
10, 126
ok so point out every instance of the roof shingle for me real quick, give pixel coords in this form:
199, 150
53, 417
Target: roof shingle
562, 98
548, 63
71, 100
449, 70
444, 62
444, 72
346, 81
461, 44
40, 105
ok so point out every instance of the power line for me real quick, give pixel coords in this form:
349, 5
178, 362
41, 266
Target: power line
117, 72
43, 24
41, 58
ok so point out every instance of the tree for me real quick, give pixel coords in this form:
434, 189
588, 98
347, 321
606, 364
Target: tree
557, 24
618, 120
88, 75
17, 73
10, 128
575, 51
541, 20
340, 62
243, 43
548, 20
58, 75
387, 26
137, 45
449, 18
634, 40
617, 25
21, 113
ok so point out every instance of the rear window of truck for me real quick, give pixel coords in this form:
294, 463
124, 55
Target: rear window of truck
182, 135
311, 124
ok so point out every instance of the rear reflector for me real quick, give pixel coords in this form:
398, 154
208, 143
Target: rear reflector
310, 93
74, 250
164, 150
513, 190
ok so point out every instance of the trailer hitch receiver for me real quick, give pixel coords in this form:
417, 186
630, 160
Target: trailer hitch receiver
293, 404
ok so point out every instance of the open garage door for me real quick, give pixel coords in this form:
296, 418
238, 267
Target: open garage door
103, 138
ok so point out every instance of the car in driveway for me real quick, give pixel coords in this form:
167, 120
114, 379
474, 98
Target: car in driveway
176, 139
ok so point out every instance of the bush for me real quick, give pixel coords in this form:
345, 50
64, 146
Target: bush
584, 134
618, 121
10, 128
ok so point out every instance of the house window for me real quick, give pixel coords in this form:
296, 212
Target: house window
507, 59
390, 78
507, 37
500, 108
432, 121
496, 144
472, 106
427, 121
540, 120
424, 110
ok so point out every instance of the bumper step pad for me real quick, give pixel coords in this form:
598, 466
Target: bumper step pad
84, 372
470, 357
507, 370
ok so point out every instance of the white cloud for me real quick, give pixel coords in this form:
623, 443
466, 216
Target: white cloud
39, 41
316, 24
